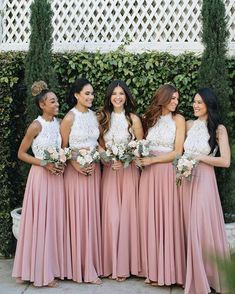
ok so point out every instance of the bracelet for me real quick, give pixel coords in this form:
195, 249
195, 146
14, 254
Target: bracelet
43, 162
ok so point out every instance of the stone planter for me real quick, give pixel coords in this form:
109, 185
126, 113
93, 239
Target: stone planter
229, 228
230, 232
16, 214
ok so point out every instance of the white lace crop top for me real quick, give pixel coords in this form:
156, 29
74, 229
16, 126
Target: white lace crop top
197, 139
162, 134
48, 137
85, 130
118, 131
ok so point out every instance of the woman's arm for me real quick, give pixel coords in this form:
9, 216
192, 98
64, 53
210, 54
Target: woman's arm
225, 154
65, 128
178, 147
33, 130
137, 127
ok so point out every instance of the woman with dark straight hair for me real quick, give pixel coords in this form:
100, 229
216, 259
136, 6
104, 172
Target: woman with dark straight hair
161, 230
119, 124
80, 131
202, 212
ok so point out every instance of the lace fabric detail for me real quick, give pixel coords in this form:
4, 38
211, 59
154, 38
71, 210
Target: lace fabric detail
48, 137
162, 134
85, 130
118, 131
197, 139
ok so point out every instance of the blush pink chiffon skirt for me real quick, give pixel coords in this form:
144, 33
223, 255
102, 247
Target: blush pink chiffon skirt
161, 227
83, 225
120, 240
204, 231
39, 254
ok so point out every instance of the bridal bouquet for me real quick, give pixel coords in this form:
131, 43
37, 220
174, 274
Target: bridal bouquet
87, 156
56, 155
184, 166
117, 151
140, 148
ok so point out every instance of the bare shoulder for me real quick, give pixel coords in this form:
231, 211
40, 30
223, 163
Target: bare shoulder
189, 124
221, 131
179, 118
69, 118
135, 118
34, 128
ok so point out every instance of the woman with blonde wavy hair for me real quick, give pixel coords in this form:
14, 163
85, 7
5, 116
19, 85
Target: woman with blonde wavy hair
119, 187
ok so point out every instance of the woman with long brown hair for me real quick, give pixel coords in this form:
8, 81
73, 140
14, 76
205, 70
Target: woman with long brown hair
161, 232
119, 195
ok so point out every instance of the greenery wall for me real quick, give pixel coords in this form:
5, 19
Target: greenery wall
144, 73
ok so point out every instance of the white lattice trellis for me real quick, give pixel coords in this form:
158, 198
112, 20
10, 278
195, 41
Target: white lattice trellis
166, 25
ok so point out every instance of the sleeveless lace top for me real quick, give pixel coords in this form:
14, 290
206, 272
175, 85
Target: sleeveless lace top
197, 139
85, 130
162, 134
48, 137
118, 131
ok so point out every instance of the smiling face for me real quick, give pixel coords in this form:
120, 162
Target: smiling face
50, 104
199, 107
85, 97
171, 106
118, 98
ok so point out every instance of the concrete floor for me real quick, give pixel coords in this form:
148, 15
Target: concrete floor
130, 286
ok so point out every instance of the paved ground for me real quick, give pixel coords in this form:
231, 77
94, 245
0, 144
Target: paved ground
131, 286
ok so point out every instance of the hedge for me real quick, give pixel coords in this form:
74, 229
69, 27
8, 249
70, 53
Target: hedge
144, 73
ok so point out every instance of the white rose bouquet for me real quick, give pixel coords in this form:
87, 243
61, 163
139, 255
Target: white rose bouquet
140, 148
117, 151
56, 155
184, 166
87, 156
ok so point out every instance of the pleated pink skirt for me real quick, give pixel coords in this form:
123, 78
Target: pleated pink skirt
83, 225
161, 227
120, 241
39, 254
204, 231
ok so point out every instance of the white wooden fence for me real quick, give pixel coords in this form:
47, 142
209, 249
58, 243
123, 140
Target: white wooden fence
163, 25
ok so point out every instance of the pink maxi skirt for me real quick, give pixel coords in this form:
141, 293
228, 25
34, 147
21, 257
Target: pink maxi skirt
120, 240
161, 226
204, 231
39, 254
83, 225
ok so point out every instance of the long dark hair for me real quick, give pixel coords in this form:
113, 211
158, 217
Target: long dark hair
77, 87
161, 98
104, 115
214, 119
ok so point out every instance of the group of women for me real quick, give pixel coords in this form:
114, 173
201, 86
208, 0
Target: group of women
82, 224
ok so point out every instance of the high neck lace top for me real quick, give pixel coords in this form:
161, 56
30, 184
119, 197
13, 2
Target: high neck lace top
162, 134
85, 130
48, 137
118, 131
197, 139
